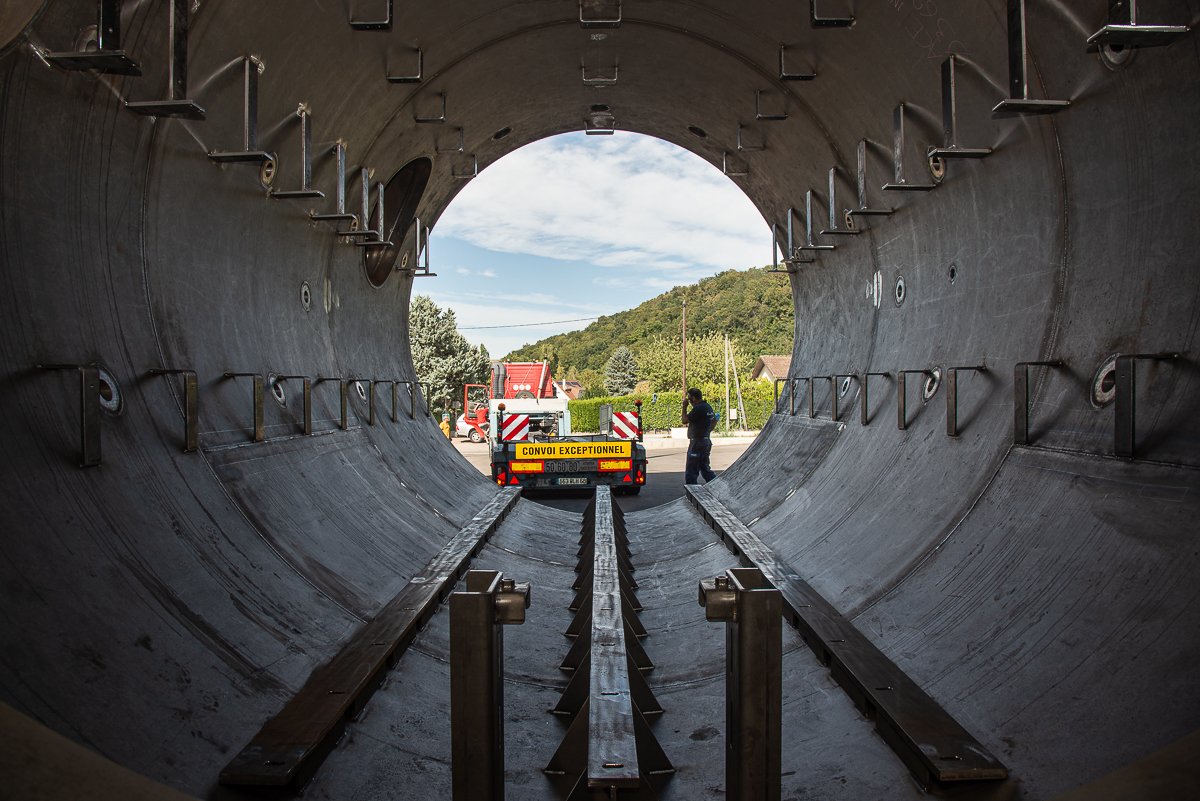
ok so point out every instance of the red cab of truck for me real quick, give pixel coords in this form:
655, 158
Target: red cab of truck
522, 380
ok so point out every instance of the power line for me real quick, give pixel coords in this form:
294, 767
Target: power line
525, 325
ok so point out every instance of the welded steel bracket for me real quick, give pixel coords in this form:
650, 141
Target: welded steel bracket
438, 119
792, 392
258, 389
89, 410
384, 24
752, 611
827, 22
902, 395
600, 22
1021, 398
790, 260
343, 400
808, 228
864, 413
460, 148
833, 229
191, 407
732, 173
930, 743
374, 236
339, 152
305, 189
177, 103
370, 393
950, 148
289, 748
598, 79
901, 185
466, 175
784, 75
863, 209
608, 746
249, 152
307, 399
1018, 101
410, 78
1133, 34
834, 403
1125, 406
108, 55
742, 146
600, 123
952, 396
812, 391
478, 613
758, 112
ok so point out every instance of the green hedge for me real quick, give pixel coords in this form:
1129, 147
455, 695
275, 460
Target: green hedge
664, 413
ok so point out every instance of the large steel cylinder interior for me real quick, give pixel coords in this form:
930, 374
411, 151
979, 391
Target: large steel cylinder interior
161, 606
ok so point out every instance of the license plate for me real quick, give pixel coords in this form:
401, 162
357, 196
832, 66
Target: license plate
572, 481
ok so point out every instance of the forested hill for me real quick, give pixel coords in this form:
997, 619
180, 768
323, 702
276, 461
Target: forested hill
753, 307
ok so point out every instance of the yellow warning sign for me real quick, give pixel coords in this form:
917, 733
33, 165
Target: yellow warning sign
572, 450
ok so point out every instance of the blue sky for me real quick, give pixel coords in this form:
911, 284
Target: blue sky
577, 226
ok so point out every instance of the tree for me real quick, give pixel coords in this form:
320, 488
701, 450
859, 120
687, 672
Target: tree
621, 372
661, 359
441, 356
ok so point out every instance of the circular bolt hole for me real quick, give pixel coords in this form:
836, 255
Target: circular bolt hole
1104, 384
845, 386
849, 220
277, 391
698, 131
306, 296
932, 383
1117, 57
901, 290
503, 132
403, 261
937, 168
267, 175
359, 388
953, 273
110, 393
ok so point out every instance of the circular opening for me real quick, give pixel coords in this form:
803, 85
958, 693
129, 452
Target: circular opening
599, 107
306, 296
110, 393
849, 218
901, 290
1117, 57
359, 388
277, 391
932, 382
503, 132
401, 196
404, 260
1104, 384
698, 131
267, 174
953, 273
937, 168
845, 386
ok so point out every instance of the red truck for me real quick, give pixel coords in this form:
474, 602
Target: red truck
512, 381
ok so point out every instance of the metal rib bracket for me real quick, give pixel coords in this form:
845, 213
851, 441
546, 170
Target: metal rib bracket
108, 55
752, 611
249, 152
1021, 398
902, 395
833, 228
927, 739
410, 78
384, 24
478, 614
339, 152
601, 14
290, 747
898, 156
1018, 101
305, 189
758, 112
89, 410
1125, 419
742, 146
827, 22
784, 75
1133, 34
862, 186
439, 119
258, 435
952, 396
343, 401
609, 746
808, 227
950, 148
177, 103
306, 426
731, 173
191, 407
864, 410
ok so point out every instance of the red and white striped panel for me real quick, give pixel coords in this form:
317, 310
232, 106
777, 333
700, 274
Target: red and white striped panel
514, 428
625, 424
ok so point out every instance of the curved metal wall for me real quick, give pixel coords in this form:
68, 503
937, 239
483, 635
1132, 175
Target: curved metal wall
159, 607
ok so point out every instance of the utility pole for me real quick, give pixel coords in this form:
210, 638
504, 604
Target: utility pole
726, 360
685, 386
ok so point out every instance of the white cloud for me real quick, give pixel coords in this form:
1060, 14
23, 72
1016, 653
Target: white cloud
488, 273
625, 202
462, 271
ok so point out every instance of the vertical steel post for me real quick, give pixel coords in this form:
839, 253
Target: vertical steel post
752, 610
477, 681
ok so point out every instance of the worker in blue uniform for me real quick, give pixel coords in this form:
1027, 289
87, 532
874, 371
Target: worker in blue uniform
700, 421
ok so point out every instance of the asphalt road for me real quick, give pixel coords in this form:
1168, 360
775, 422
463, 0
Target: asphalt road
664, 479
